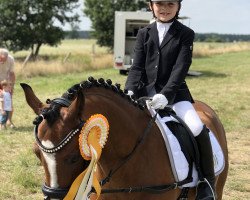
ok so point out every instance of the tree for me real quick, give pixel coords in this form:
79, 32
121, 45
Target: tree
29, 24
74, 33
102, 14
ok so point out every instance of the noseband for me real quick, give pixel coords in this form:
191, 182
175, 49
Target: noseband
56, 193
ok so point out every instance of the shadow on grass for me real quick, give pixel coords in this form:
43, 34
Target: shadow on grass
207, 74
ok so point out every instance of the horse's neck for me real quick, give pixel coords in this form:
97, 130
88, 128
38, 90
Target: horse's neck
127, 125
124, 117
126, 121
106, 101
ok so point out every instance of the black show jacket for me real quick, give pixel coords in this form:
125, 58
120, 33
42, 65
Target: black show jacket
162, 67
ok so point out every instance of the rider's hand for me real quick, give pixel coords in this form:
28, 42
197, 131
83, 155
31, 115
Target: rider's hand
130, 93
159, 101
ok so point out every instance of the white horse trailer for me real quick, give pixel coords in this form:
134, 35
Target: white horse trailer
127, 25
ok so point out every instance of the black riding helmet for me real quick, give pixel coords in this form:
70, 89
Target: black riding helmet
177, 14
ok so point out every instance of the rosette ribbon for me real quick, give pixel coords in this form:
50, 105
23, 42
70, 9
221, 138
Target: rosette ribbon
92, 139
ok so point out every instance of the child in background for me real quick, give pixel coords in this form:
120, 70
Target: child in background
5, 103
7, 73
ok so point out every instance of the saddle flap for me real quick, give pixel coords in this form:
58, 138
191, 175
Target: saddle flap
178, 161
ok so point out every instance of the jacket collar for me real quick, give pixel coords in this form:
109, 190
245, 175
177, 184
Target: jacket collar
169, 35
153, 33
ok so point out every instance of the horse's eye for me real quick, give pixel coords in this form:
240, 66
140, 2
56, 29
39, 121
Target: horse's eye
72, 159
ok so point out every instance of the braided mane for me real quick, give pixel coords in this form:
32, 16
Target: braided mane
91, 82
53, 111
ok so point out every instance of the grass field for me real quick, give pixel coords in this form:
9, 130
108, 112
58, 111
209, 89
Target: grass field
224, 85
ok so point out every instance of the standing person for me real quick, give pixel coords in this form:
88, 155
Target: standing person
7, 73
162, 57
5, 104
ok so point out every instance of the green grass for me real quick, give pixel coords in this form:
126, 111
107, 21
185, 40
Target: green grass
224, 85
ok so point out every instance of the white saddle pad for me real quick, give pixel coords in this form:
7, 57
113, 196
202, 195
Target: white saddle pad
179, 163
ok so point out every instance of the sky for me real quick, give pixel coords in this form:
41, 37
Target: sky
206, 16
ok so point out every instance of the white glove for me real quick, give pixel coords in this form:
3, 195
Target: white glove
159, 101
130, 93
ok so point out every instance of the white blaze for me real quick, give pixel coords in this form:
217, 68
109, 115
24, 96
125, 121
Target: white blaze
51, 163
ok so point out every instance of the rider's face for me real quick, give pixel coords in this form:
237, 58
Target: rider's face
164, 11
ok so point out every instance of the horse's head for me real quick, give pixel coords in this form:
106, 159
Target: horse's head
56, 131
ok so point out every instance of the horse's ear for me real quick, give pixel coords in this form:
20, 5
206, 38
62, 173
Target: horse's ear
32, 99
77, 106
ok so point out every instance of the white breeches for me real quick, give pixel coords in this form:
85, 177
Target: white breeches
188, 114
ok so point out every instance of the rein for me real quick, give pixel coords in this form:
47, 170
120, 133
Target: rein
155, 189
129, 156
139, 141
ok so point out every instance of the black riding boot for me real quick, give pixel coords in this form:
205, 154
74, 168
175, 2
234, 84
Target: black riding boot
206, 187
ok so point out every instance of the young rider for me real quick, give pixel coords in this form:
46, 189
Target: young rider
162, 57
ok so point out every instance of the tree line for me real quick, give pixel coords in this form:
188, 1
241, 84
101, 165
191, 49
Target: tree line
29, 24
199, 37
215, 37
